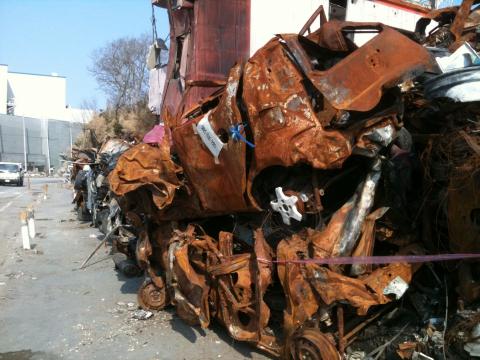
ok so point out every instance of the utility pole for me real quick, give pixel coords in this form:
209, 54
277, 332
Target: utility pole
1, 142
47, 122
71, 140
24, 142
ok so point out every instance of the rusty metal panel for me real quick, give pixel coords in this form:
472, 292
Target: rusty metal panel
180, 24
229, 173
218, 33
144, 165
221, 36
160, 3
171, 100
285, 125
356, 82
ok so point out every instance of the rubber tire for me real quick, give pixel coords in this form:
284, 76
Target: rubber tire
82, 214
126, 266
160, 300
20, 182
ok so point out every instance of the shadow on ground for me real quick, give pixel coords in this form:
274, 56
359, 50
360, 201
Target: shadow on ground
191, 333
27, 355
130, 284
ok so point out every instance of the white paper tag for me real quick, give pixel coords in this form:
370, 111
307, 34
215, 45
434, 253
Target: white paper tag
397, 287
208, 136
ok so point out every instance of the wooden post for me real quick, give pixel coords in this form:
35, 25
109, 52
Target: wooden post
31, 222
25, 235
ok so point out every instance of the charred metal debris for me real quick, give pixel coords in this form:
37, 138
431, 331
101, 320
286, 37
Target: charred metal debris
314, 149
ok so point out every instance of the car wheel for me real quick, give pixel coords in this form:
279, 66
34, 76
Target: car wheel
83, 214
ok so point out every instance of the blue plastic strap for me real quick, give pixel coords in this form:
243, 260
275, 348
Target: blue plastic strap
236, 135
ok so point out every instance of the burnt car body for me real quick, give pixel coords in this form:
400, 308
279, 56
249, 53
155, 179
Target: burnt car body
285, 166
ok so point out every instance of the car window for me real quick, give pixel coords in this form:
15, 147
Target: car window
9, 167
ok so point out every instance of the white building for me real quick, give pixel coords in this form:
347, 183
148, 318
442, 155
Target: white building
285, 16
37, 96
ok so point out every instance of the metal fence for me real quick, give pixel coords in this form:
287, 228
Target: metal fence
36, 142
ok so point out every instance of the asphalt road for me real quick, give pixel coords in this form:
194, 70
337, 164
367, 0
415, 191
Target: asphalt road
13, 200
51, 310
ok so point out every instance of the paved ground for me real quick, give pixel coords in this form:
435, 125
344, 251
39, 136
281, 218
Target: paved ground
50, 310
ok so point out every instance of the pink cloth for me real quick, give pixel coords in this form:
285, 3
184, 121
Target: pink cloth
155, 136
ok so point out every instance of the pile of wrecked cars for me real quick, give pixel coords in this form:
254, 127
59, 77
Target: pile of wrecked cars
93, 199
287, 205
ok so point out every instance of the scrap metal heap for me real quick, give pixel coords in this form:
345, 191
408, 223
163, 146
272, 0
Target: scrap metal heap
252, 207
80, 159
93, 200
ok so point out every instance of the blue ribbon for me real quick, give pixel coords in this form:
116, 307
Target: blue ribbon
236, 135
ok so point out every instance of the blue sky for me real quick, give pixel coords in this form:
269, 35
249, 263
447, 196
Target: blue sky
46, 36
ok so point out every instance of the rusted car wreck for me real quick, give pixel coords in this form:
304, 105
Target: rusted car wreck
263, 204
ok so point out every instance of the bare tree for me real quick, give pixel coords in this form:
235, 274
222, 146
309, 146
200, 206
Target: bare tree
121, 72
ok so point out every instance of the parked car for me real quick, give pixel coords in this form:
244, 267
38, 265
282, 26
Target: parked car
11, 173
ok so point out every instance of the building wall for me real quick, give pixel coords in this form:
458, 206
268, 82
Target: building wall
3, 88
376, 11
46, 139
11, 139
271, 17
38, 96
59, 138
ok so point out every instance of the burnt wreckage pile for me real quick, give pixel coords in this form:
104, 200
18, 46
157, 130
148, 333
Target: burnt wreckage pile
295, 205
93, 199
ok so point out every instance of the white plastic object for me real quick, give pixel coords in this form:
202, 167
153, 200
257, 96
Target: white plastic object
286, 206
